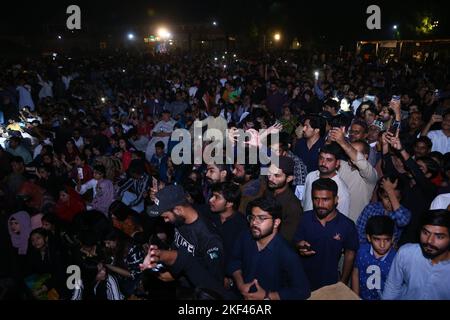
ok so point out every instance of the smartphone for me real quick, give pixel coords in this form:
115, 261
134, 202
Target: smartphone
369, 98
80, 173
395, 126
396, 98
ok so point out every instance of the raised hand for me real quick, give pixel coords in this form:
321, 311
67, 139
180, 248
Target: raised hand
151, 259
435, 118
338, 135
389, 186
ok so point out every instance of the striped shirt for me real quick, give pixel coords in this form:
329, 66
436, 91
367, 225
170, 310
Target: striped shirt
112, 290
139, 187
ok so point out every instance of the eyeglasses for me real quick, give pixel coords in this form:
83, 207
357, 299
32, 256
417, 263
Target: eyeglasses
259, 219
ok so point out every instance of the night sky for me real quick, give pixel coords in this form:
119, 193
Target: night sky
308, 19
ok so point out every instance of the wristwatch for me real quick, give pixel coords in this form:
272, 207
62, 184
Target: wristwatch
266, 296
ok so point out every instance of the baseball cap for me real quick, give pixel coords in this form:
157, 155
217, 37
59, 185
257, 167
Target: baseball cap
167, 199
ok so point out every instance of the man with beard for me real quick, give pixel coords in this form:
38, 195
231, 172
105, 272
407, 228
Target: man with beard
230, 223
279, 180
197, 249
263, 265
328, 165
216, 173
248, 177
323, 235
422, 271
307, 148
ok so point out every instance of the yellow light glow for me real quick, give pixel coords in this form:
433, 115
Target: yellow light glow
163, 33
277, 37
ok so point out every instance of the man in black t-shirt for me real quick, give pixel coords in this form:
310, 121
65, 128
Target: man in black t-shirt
198, 250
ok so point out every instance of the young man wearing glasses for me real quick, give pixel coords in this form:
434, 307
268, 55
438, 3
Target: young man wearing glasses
263, 264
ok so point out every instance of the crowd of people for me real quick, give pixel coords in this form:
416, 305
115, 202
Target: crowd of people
360, 193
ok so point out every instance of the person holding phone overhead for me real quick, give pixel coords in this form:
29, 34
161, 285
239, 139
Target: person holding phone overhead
439, 138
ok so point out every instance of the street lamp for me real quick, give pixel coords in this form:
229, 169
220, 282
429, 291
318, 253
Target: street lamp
395, 27
277, 36
214, 23
59, 37
163, 33
130, 36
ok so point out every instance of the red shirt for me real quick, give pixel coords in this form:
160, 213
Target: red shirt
66, 211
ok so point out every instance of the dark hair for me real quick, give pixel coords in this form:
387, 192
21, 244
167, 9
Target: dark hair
439, 218
17, 159
253, 170
48, 149
267, 204
332, 148
230, 191
381, 191
159, 144
438, 157
415, 112
137, 167
100, 168
425, 140
362, 124
317, 123
284, 139
333, 104
50, 218
371, 109
380, 225
122, 247
366, 146
194, 190
40, 231
120, 210
222, 166
16, 139
446, 113
432, 165
326, 184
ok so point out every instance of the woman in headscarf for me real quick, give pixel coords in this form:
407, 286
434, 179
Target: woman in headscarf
103, 190
19, 227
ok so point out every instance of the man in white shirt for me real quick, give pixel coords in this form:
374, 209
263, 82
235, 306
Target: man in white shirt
46, 87
442, 201
358, 174
25, 99
440, 138
328, 165
214, 122
161, 132
78, 139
